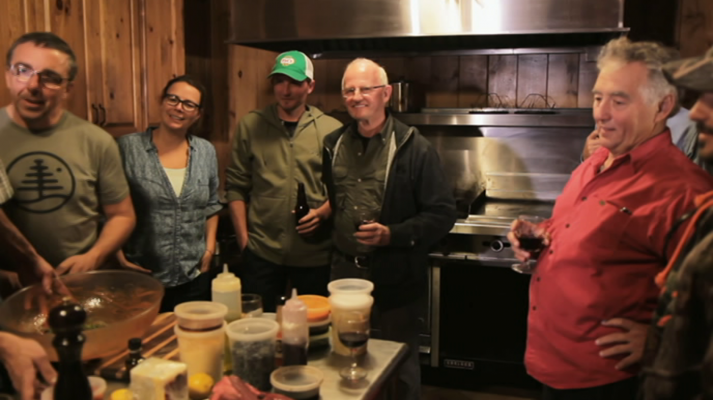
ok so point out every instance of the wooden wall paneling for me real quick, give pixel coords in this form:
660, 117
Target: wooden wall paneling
502, 80
36, 14
219, 87
120, 60
12, 25
473, 81
563, 79
444, 82
695, 35
531, 80
164, 49
333, 100
265, 61
418, 71
318, 96
587, 77
66, 19
394, 67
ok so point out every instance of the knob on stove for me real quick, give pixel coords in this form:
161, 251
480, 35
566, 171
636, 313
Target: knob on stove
497, 246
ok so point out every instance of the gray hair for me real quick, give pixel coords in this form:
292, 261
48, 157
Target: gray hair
652, 55
383, 78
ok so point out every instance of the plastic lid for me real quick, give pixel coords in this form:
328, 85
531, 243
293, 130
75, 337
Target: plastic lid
197, 315
252, 329
350, 286
318, 307
296, 378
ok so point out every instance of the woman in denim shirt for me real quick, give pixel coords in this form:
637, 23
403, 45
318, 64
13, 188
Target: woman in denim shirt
173, 177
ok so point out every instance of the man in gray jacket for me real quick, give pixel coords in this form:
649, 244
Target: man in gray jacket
274, 150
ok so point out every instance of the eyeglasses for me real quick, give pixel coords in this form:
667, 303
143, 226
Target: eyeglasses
49, 79
365, 91
188, 106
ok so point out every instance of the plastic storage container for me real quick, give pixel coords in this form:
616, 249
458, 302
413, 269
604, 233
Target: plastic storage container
200, 315
202, 351
350, 286
300, 382
252, 347
318, 320
349, 295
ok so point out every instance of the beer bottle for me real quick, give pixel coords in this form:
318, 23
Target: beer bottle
301, 209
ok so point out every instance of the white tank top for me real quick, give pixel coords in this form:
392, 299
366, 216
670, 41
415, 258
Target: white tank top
176, 176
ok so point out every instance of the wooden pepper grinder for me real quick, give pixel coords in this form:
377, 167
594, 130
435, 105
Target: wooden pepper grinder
66, 321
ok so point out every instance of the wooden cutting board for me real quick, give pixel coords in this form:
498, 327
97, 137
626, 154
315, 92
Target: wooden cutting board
159, 341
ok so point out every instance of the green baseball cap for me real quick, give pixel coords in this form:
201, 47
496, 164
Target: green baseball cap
294, 64
695, 73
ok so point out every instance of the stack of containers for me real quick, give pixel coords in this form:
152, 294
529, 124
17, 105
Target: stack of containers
318, 320
200, 329
349, 295
252, 347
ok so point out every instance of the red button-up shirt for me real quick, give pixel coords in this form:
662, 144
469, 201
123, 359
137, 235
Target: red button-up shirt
608, 232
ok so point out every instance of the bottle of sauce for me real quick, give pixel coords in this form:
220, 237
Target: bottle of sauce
281, 300
66, 321
135, 356
295, 331
301, 209
226, 289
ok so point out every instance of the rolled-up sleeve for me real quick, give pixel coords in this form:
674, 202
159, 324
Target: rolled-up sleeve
213, 205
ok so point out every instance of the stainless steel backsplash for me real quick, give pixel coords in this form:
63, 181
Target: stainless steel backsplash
507, 162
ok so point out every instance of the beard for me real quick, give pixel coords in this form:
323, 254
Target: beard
705, 143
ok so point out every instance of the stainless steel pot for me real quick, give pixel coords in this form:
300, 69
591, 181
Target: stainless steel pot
405, 97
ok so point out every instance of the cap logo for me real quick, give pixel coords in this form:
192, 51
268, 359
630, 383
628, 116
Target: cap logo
289, 60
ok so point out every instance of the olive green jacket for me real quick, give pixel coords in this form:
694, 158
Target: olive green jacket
265, 168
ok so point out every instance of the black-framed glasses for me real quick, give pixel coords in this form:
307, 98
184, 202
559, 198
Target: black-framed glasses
49, 79
188, 105
365, 91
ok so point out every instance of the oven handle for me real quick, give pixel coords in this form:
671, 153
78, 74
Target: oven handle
435, 313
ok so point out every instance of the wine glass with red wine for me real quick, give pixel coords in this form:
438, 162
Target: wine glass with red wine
353, 333
363, 216
530, 240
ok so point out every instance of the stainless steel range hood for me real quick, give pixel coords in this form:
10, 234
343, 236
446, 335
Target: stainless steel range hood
333, 27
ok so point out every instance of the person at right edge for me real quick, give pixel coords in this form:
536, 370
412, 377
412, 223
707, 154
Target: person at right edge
592, 292
678, 360
378, 163
274, 150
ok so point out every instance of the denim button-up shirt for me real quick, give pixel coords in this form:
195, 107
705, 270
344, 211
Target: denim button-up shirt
170, 234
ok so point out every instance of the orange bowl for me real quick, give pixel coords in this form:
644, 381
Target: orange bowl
120, 305
318, 307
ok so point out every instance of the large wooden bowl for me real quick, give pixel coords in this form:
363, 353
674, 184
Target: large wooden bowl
120, 305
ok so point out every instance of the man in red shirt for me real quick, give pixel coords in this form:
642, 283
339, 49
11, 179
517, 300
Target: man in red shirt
592, 293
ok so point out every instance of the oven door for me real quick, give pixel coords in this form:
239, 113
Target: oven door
482, 319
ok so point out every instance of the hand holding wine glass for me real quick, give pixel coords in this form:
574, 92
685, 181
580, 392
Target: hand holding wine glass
353, 332
527, 239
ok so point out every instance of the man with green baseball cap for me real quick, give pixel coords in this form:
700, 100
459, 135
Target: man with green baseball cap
274, 150
678, 362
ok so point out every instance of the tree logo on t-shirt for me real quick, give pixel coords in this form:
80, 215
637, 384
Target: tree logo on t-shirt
42, 182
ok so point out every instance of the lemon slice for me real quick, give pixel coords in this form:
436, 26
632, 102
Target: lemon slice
199, 386
122, 394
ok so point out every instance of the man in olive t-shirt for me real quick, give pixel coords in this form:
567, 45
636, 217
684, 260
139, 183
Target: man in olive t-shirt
66, 173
